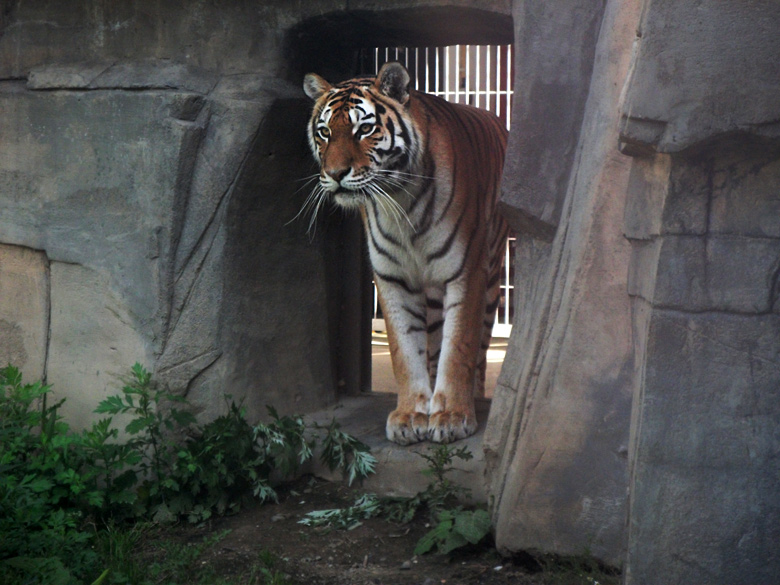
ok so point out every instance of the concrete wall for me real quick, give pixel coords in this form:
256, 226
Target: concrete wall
558, 435
703, 216
646, 285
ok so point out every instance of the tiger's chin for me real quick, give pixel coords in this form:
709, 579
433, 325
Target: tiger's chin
349, 199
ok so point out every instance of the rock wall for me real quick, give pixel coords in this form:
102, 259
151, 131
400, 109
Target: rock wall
558, 435
703, 216
636, 415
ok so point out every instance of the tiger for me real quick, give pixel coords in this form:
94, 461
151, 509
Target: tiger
424, 175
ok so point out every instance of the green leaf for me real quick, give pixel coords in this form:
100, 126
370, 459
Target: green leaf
433, 537
473, 525
451, 541
139, 424
111, 405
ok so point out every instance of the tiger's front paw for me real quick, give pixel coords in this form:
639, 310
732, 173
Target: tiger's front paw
451, 425
406, 428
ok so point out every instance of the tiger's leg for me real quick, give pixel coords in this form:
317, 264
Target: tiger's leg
405, 316
492, 299
452, 413
435, 322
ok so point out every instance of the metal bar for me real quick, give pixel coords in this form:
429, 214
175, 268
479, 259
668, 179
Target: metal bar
476, 77
457, 74
436, 73
487, 80
468, 73
447, 73
427, 71
416, 68
498, 80
509, 88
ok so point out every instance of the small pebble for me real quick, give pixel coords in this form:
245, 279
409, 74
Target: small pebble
406, 565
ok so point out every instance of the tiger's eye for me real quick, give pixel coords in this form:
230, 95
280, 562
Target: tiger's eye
323, 132
365, 129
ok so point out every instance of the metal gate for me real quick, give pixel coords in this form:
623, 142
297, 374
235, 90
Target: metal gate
478, 75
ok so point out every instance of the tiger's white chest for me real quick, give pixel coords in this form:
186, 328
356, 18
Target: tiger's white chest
397, 250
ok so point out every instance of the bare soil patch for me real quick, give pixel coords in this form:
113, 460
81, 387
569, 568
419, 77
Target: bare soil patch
377, 552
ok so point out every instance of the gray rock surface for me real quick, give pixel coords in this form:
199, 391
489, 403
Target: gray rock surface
24, 310
703, 222
704, 452
557, 438
702, 69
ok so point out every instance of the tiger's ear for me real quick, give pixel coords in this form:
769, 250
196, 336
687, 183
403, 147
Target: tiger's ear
393, 81
315, 86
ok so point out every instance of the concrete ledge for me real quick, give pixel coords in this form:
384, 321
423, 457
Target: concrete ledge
400, 469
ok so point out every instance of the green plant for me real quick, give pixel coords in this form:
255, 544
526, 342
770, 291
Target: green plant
266, 571
151, 428
340, 450
442, 491
44, 493
349, 518
178, 565
66, 498
282, 447
455, 528
116, 544
212, 471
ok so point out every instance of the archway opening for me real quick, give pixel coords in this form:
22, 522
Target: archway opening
463, 54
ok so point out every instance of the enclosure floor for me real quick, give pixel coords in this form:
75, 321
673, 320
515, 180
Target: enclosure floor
400, 469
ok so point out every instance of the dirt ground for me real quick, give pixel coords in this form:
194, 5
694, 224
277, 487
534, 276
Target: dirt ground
375, 553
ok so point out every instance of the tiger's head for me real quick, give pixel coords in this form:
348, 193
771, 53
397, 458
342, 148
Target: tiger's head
362, 133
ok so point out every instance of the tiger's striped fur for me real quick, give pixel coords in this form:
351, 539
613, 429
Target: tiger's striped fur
424, 175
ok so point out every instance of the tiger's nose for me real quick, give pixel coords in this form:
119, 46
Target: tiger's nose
337, 174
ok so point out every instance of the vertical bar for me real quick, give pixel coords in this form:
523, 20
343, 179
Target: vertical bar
457, 74
436, 74
507, 296
468, 72
446, 72
476, 76
427, 72
509, 88
498, 80
416, 68
487, 80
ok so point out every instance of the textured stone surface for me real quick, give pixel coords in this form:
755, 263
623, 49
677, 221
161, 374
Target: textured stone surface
554, 49
705, 447
701, 69
558, 463
705, 424
24, 310
94, 340
88, 177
